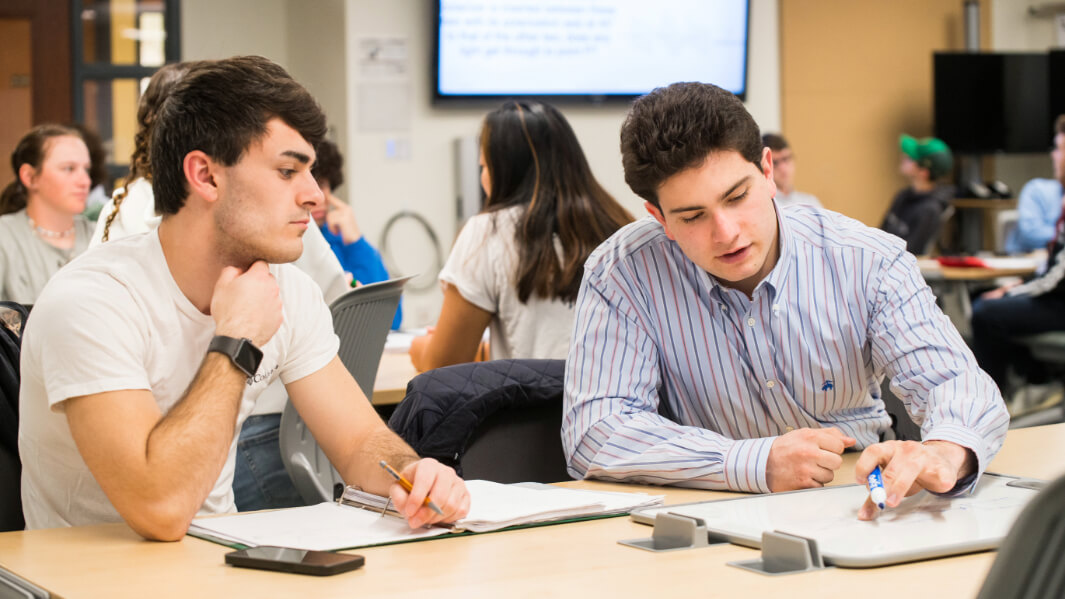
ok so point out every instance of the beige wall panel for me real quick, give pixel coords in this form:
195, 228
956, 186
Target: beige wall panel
854, 75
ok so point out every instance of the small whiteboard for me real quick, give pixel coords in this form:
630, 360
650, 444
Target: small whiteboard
923, 526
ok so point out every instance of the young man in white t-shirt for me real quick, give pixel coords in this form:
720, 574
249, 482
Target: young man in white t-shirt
142, 360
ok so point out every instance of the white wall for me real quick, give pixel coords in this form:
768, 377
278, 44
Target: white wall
382, 186
216, 29
1014, 30
318, 42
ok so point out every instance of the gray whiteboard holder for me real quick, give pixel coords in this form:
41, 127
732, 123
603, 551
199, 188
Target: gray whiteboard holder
783, 553
673, 532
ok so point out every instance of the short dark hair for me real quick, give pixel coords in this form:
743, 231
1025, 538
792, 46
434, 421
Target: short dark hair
775, 142
676, 127
1059, 124
221, 108
330, 164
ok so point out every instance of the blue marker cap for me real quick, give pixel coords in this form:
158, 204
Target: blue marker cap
876, 488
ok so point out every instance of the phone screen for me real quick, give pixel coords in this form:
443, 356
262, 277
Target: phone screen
294, 560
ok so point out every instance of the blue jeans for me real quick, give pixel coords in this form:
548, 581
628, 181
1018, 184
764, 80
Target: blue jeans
260, 481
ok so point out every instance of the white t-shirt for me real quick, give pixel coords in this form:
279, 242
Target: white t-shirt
483, 267
115, 319
318, 260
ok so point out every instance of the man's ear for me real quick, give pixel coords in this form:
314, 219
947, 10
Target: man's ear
26, 174
767, 170
657, 213
200, 171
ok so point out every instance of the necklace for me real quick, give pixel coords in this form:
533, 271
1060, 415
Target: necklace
48, 233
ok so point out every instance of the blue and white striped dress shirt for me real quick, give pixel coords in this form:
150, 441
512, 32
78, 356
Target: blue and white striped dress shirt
844, 306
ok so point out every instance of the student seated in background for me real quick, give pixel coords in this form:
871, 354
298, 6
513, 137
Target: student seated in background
784, 172
725, 344
133, 210
42, 228
1016, 310
1039, 203
336, 221
916, 210
516, 267
144, 357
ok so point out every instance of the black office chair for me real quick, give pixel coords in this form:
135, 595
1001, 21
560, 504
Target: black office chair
498, 420
12, 321
1029, 562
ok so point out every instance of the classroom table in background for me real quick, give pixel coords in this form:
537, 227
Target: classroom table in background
580, 559
953, 284
395, 371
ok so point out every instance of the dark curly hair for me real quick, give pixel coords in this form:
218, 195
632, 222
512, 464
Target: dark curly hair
675, 128
221, 108
329, 166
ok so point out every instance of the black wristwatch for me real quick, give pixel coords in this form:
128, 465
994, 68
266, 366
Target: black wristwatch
242, 352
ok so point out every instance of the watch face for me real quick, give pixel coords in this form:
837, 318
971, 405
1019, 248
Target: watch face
248, 357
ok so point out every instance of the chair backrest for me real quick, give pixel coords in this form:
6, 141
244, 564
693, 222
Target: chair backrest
1029, 561
1005, 225
12, 321
361, 318
498, 420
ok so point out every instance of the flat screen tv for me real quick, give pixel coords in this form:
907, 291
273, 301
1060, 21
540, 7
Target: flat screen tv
993, 102
586, 50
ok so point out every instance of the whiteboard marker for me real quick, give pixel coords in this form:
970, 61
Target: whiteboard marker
876, 488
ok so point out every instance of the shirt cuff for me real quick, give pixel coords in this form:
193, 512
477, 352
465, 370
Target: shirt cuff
745, 465
967, 438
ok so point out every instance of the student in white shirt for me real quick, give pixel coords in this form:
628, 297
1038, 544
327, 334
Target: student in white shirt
143, 358
516, 267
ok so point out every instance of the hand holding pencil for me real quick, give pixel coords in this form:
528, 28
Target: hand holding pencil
419, 483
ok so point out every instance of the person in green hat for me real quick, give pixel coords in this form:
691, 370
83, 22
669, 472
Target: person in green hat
915, 212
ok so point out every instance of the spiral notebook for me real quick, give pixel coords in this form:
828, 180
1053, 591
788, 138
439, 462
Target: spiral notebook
359, 519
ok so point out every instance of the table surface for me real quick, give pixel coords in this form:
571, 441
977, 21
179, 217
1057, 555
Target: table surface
577, 558
393, 374
933, 270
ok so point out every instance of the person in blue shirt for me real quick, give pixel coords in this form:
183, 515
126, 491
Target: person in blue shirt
337, 222
1039, 204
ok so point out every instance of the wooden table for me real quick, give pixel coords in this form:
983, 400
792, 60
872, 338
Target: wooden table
579, 559
393, 374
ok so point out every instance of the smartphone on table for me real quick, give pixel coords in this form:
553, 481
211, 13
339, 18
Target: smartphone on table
300, 561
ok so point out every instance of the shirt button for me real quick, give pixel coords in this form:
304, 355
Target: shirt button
788, 429
750, 321
770, 384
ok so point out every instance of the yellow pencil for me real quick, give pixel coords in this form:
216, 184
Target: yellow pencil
403, 482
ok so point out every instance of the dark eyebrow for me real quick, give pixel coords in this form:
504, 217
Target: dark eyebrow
303, 158
727, 193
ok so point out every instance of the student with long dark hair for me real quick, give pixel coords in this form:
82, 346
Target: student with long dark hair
516, 267
41, 228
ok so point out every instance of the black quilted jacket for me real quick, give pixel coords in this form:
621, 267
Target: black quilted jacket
444, 406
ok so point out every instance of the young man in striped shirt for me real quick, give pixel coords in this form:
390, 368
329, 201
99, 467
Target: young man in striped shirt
726, 344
